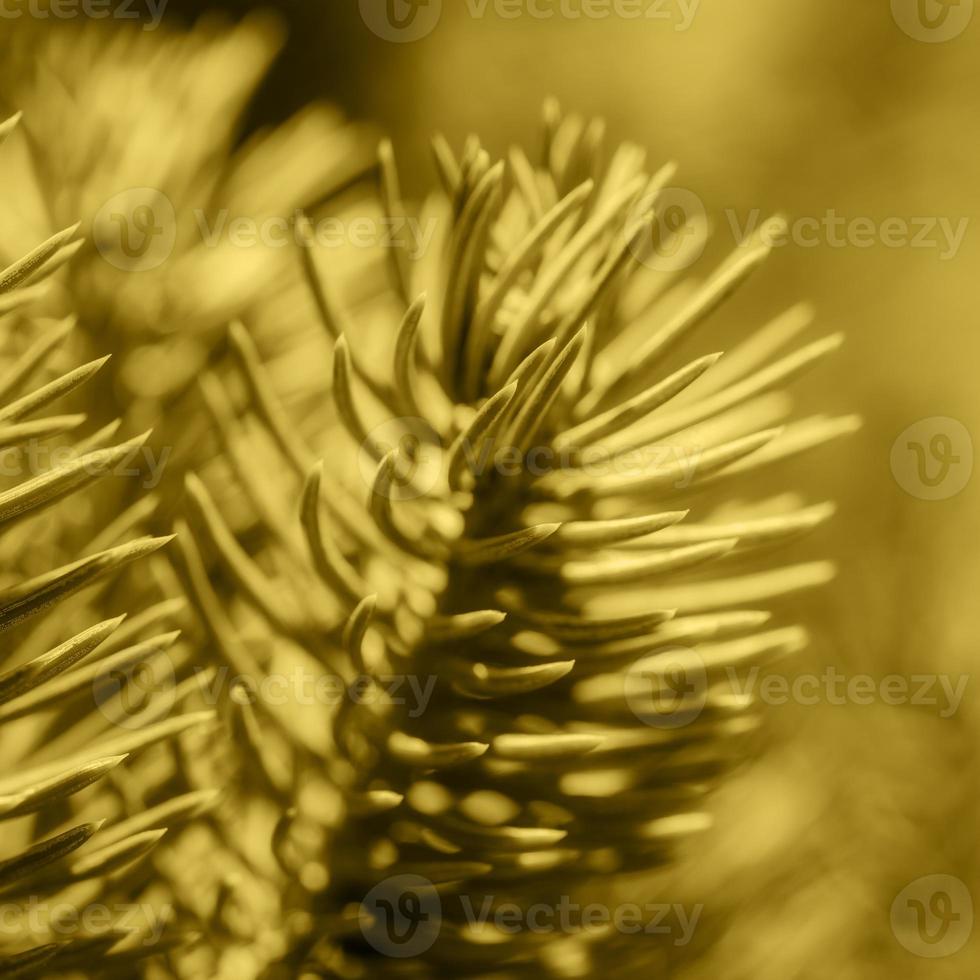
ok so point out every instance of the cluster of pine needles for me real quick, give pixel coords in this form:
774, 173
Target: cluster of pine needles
520, 492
